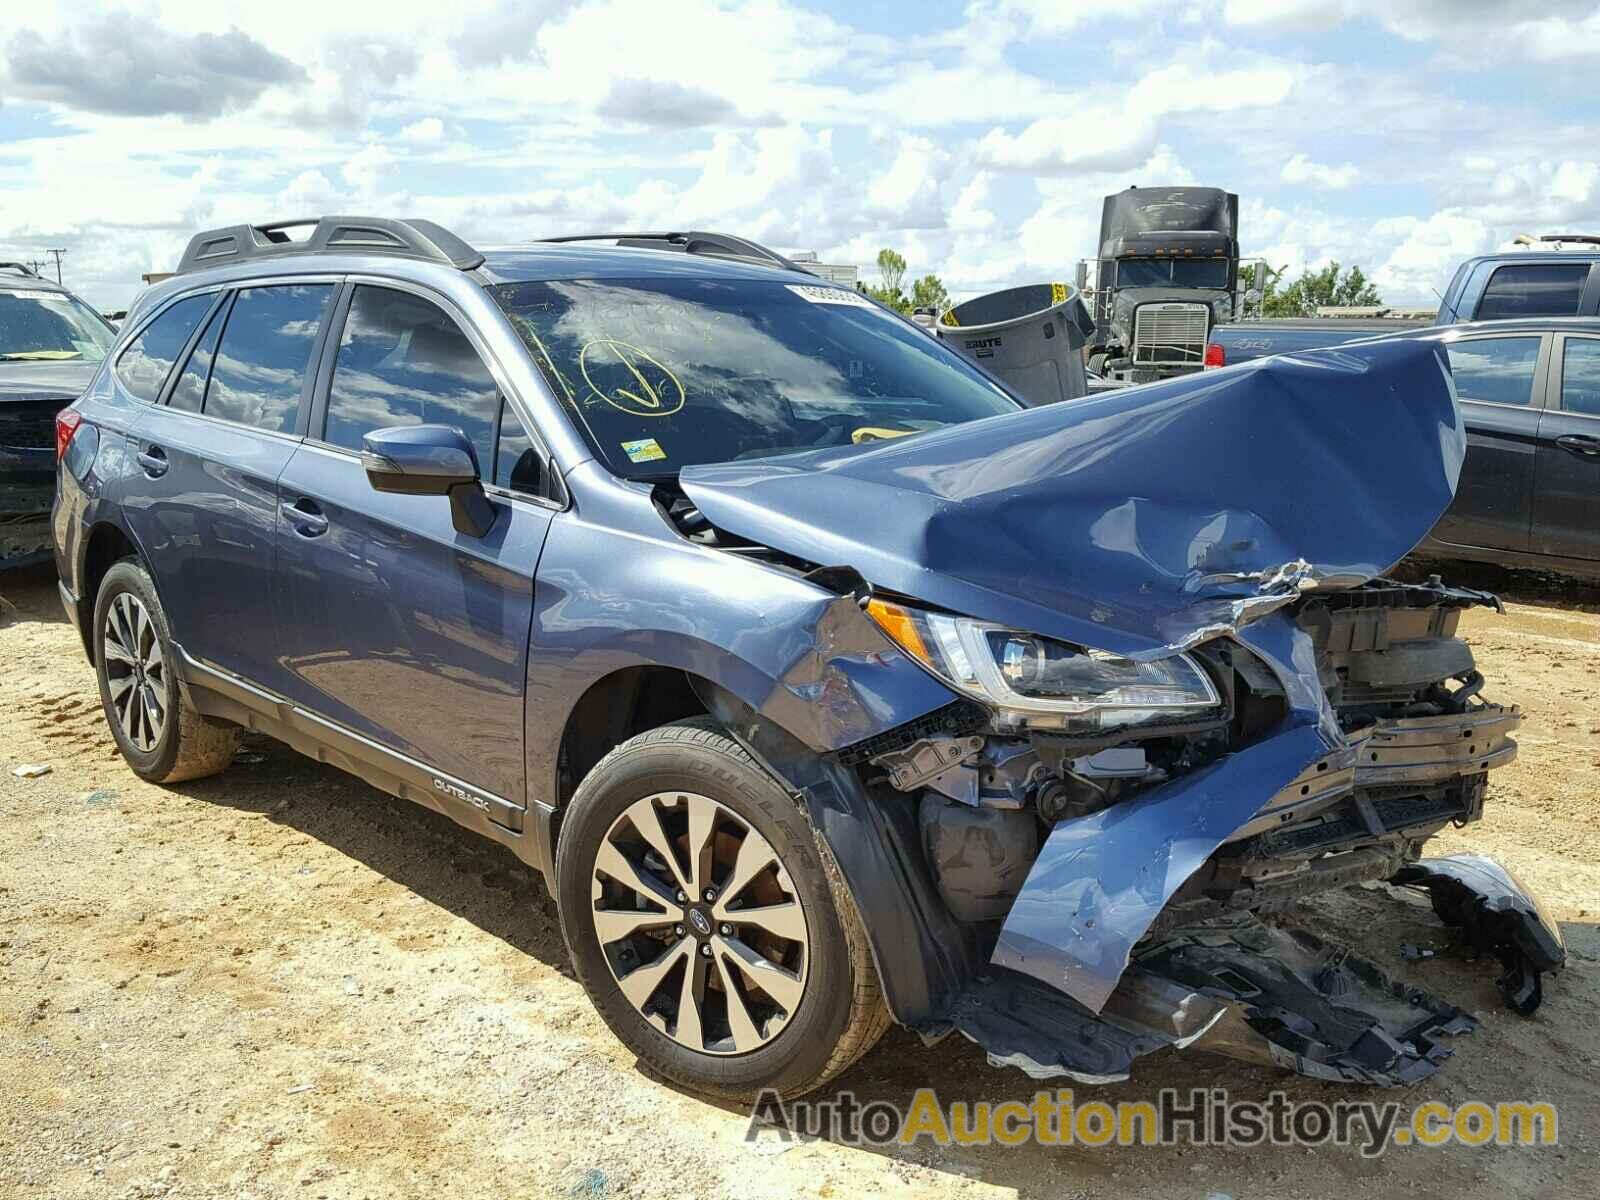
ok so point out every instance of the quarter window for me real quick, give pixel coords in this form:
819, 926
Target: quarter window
403, 361
145, 364
1534, 290
260, 367
1495, 370
1580, 376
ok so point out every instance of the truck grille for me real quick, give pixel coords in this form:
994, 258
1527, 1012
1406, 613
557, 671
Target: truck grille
1172, 334
30, 424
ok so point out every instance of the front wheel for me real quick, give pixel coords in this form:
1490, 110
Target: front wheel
160, 736
707, 921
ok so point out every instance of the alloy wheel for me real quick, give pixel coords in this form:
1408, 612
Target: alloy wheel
700, 923
136, 671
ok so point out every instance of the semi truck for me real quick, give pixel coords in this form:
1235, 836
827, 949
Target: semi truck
1168, 272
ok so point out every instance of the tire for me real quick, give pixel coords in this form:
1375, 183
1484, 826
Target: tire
839, 1013
172, 742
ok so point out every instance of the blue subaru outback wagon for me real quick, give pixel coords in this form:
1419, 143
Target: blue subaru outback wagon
825, 683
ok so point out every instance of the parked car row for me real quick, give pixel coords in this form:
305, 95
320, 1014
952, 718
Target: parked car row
827, 684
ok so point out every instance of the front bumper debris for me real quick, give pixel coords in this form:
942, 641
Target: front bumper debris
1496, 915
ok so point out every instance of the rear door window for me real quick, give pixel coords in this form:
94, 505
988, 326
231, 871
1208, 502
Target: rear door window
1580, 376
143, 367
260, 368
190, 390
403, 361
1495, 370
1533, 290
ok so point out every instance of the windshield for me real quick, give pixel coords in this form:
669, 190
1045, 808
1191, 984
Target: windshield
666, 373
47, 326
1173, 272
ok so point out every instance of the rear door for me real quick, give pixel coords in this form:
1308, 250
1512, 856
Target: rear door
210, 453
1499, 381
1566, 511
395, 626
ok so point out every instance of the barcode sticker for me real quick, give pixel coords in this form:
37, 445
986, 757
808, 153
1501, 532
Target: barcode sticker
830, 295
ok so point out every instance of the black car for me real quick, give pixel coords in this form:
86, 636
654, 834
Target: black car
51, 344
1529, 494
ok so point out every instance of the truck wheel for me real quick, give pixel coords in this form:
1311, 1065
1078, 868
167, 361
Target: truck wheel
709, 923
162, 738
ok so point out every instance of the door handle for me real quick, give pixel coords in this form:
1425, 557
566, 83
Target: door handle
1580, 444
154, 461
305, 516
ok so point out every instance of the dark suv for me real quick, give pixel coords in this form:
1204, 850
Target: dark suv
51, 344
825, 683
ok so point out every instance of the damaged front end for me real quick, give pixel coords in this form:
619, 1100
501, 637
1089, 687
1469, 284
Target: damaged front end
1184, 699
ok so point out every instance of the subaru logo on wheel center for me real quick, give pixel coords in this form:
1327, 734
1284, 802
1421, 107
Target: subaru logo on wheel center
701, 925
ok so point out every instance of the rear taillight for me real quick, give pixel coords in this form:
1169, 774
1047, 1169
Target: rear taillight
1215, 355
67, 422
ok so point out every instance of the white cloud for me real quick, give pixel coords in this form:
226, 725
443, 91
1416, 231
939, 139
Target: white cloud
1301, 170
425, 131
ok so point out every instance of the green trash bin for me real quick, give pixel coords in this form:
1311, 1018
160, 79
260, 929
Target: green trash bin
1030, 337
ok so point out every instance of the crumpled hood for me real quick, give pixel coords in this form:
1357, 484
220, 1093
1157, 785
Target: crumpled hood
31, 380
1137, 520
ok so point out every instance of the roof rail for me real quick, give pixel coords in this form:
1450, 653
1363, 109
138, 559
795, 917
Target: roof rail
717, 245
20, 268
410, 238
1585, 239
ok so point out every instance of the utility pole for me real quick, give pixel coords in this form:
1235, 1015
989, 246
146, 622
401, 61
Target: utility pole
35, 265
57, 255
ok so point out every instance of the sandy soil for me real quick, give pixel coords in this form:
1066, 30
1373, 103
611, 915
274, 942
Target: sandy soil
280, 982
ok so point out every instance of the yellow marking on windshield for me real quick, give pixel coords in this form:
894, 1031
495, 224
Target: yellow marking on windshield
527, 326
649, 399
875, 433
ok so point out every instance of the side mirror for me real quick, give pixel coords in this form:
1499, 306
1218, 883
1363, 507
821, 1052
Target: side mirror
429, 460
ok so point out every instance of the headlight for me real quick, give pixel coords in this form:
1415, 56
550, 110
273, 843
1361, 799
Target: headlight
1047, 681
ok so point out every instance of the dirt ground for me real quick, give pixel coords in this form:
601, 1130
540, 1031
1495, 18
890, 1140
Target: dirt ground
280, 983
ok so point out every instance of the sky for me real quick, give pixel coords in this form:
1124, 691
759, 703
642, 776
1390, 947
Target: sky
978, 139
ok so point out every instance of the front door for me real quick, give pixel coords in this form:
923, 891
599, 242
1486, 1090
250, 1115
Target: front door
393, 624
1566, 508
1494, 378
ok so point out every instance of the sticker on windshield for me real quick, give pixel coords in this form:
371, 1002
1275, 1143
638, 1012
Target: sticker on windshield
31, 295
830, 295
644, 450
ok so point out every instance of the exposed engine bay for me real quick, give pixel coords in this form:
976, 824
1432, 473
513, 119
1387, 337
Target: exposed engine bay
1407, 698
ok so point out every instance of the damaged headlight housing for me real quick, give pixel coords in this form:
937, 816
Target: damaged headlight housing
1044, 681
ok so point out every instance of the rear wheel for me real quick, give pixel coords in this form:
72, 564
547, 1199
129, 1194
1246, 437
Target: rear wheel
160, 736
707, 922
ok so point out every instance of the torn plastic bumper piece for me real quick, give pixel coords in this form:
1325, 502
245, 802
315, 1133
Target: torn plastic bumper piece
1101, 880
1308, 1005
1234, 986
1022, 1023
1496, 915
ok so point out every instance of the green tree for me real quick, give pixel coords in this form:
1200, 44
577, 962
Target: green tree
1331, 287
891, 270
928, 292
